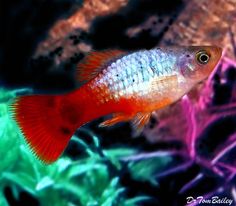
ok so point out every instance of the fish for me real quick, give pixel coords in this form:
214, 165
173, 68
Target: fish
127, 85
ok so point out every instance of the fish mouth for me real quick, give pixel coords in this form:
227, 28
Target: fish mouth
217, 51
217, 54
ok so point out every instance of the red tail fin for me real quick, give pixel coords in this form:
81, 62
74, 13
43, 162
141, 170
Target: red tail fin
41, 120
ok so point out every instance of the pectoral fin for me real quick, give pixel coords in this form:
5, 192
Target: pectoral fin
140, 120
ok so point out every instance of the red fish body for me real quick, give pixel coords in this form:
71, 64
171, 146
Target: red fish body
130, 86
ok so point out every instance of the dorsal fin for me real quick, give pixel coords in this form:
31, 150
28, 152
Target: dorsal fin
94, 62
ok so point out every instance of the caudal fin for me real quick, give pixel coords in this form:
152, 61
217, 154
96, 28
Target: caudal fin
42, 124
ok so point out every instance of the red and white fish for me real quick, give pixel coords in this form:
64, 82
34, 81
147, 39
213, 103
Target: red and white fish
130, 86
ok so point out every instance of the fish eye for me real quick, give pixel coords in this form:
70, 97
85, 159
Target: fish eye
203, 57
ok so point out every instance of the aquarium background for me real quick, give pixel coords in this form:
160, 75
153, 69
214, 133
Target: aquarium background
187, 149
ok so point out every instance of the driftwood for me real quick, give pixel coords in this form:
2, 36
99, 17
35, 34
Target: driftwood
201, 22
79, 20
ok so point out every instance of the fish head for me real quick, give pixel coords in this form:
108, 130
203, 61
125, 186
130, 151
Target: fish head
195, 63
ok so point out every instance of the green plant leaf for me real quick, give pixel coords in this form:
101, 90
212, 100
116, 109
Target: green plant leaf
136, 200
80, 169
3, 201
44, 183
21, 179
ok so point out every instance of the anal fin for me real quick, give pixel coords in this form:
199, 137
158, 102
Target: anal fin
119, 117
